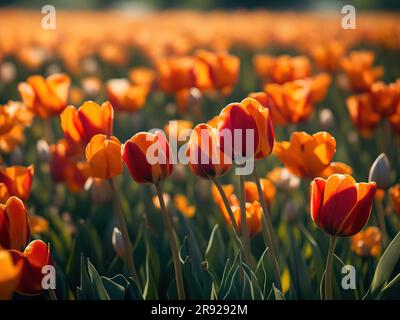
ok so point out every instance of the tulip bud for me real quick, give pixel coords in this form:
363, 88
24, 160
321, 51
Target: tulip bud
43, 151
326, 119
118, 243
291, 211
380, 172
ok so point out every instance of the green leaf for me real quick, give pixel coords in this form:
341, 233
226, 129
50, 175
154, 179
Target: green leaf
98, 288
385, 267
278, 294
114, 290
152, 272
215, 252
132, 291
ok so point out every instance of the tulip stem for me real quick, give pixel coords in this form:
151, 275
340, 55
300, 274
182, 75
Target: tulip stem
227, 205
268, 230
124, 231
244, 229
328, 269
173, 244
381, 222
48, 130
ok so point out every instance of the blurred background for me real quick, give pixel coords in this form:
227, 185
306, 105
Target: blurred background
208, 4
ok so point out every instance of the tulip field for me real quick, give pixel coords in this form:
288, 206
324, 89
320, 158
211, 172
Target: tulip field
188, 155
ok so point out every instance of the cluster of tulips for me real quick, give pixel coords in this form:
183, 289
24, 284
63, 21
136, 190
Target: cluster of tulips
266, 243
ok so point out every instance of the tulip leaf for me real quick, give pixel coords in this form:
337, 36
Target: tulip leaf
132, 291
215, 252
152, 272
115, 287
99, 290
278, 294
385, 267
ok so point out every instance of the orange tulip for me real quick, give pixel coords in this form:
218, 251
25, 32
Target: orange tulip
135, 154
246, 115
80, 125
306, 155
35, 256
251, 192
290, 102
385, 97
336, 167
362, 113
9, 275
125, 96
319, 87
253, 217
327, 55
142, 76
182, 205
175, 74
339, 205
367, 243
14, 225
178, 129
4, 195
206, 159
395, 197
18, 180
104, 156
283, 68
223, 69
45, 97
359, 69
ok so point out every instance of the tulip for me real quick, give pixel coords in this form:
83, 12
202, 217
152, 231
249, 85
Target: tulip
395, 197
223, 69
267, 187
380, 172
9, 275
306, 155
142, 76
104, 156
253, 217
341, 207
246, 115
80, 125
367, 243
35, 256
206, 159
125, 96
327, 55
336, 167
118, 243
45, 97
18, 180
14, 224
359, 69
385, 97
362, 114
4, 195
136, 155
182, 205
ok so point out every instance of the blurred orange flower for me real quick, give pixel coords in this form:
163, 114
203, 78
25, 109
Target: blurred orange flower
367, 243
14, 224
182, 205
251, 193
363, 114
385, 97
80, 125
281, 69
361, 73
18, 180
253, 217
142, 76
45, 97
125, 96
327, 55
336, 167
395, 197
306, 155
104, 156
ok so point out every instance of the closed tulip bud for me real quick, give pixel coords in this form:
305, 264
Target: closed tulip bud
252, 120
104, 156
291, 211
380, 172
35, 256
18, 180
206, 159
326, 119
43, 151
118, 243
14, 225
9, 276
339, 205
148, 157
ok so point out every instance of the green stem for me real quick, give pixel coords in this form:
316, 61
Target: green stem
244, 229
268, 230
173, 244
381, 222
48, 130
328, 269
124, 231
